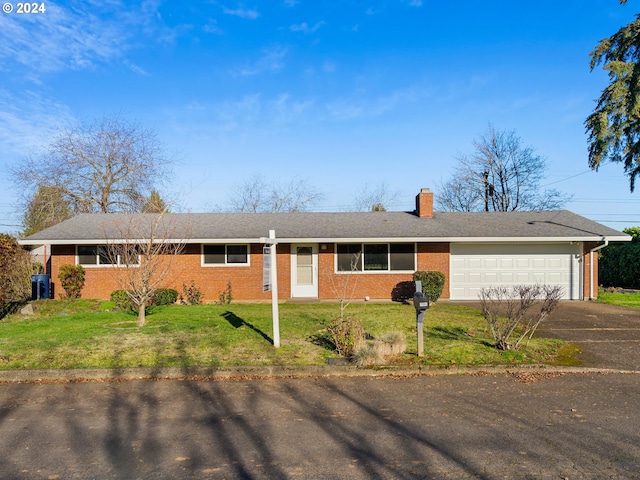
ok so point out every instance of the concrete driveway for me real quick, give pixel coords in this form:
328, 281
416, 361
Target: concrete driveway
608, 336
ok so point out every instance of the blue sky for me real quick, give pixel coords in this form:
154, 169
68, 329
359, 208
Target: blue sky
341, 94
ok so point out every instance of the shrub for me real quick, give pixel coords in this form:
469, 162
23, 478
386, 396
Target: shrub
514, 314
15, 274
121, 300
72, 279
165, 296
226, 295
347, 334
618, 264
191, 294
432, 283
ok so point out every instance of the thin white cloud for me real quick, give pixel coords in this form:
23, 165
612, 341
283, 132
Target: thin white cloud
250, 14
27, 120
329, 67
271, 60
415, 3
212, 27
241, 117
350, 109
135, 68
290, 3
76, 36
305, 28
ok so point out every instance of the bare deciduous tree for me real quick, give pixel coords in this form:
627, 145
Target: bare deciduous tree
111, 165
502, 175
514, 314
144, 255
375, 198
259, 196
343, 285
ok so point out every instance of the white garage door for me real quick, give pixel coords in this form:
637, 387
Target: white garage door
475, 266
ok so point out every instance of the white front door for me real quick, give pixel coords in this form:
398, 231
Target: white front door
304, 270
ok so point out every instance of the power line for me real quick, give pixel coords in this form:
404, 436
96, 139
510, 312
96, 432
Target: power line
567, 178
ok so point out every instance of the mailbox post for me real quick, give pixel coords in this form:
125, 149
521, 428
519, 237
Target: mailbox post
421, 304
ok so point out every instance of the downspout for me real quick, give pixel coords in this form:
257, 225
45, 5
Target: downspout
595, 249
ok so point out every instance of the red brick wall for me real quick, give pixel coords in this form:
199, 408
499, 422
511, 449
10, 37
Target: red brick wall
246, 281
586, 270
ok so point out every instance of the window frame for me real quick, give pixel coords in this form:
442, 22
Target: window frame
362, 261
226, 263
101, 253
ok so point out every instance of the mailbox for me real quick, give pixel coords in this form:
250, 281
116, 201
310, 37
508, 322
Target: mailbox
420, 301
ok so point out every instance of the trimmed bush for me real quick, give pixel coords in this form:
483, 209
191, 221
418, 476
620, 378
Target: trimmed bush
165, 296
162, 296
121, 300
432, 283
72, 279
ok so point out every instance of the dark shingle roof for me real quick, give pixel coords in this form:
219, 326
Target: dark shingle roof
314, 226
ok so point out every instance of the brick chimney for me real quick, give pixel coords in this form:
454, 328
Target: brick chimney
424, 203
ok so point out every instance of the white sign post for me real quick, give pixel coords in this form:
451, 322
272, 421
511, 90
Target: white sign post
270, 281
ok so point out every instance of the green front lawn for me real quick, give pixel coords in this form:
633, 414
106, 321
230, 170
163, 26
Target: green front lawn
623, 299
86, 333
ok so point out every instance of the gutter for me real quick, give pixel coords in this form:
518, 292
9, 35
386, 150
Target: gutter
595, 249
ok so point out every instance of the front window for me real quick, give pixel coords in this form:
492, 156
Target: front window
375, 257
225, 254
107, 255
349, 257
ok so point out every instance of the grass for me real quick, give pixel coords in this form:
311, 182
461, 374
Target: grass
89, 333
623, 299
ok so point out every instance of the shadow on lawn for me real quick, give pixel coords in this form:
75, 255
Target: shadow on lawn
238, 322
449, 333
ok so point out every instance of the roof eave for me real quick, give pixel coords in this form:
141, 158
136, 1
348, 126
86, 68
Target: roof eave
250, 240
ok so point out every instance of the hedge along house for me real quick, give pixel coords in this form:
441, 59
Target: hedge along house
316, 251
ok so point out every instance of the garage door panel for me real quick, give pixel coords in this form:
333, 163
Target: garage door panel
506, 262
506, 277
556, 277
477, 266
556, 263
491, 277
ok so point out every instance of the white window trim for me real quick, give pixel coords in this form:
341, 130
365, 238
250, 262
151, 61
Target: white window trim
374, 272
101, 265
226, 264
